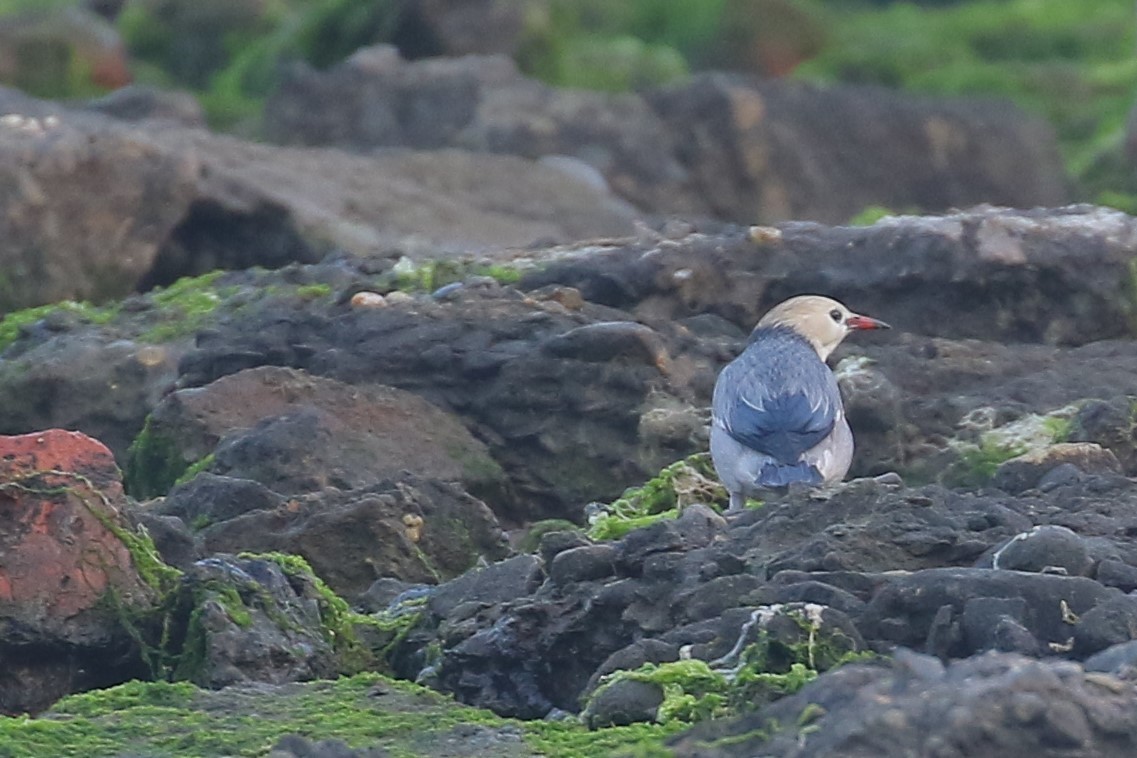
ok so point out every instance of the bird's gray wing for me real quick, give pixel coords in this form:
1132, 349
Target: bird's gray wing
779, 399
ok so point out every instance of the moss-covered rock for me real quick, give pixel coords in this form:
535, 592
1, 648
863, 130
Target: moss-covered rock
691, 480
363, 711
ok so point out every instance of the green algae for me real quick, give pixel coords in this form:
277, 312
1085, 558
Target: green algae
337, 619
314, 291
154, 463
748, 677
427, 276
13, 324
690, 480
194, 469
184, 307
366, 710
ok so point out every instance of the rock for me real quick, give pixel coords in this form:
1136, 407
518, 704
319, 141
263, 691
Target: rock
173, 540
975, 707
253, 620
1115, 573
61, 52
224, 203
78, 380
1106, 624
1110, 424
583, 564
738, 279
479, 103
482, 357
724, 146
69, 181
139, 102
1026, 471
928, 609
295, 433
464, 27
70, 574
624, 702
210, 499
1115, 659
873, 407
746, 142
1049, 548
416, 530
497, 583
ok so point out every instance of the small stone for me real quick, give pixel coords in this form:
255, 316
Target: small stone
368, 300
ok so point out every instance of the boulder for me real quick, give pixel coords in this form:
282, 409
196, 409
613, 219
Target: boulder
253, 620
416, 530
74, 577
75, 379
995, 704
295, 433
726, 146
768, 151
98, 208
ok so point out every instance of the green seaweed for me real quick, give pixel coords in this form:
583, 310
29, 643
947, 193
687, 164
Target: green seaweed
13, 324
154, 463
682, 483
184, 307
366, 710
336, 616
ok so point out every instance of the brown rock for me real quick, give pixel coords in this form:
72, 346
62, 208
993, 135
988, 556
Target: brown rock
413, 529
65, 573
96, 208
1024, 471
298, 433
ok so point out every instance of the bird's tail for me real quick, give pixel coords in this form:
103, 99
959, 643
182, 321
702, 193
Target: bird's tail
782, 475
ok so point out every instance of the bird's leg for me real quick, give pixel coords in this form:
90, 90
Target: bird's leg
737, 502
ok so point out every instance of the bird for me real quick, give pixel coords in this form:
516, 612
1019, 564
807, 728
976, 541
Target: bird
776, 412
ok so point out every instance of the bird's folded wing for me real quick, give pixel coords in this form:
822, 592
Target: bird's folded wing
782, 426
778, 398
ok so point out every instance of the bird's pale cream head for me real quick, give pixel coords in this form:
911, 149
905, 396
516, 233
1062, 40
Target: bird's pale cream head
821, 320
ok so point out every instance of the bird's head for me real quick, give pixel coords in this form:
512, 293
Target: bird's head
821, 320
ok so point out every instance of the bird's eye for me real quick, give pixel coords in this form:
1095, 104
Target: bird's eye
835, 315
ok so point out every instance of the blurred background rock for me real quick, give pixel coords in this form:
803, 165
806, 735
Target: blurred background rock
1073, 64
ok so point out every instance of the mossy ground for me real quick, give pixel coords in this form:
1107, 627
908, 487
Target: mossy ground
367, 710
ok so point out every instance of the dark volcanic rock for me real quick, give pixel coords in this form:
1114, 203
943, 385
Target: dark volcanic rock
505, 365
949, 611
417, 530
866, 567
76, 379
295, 433
253, 621
996, 704
1060, 274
